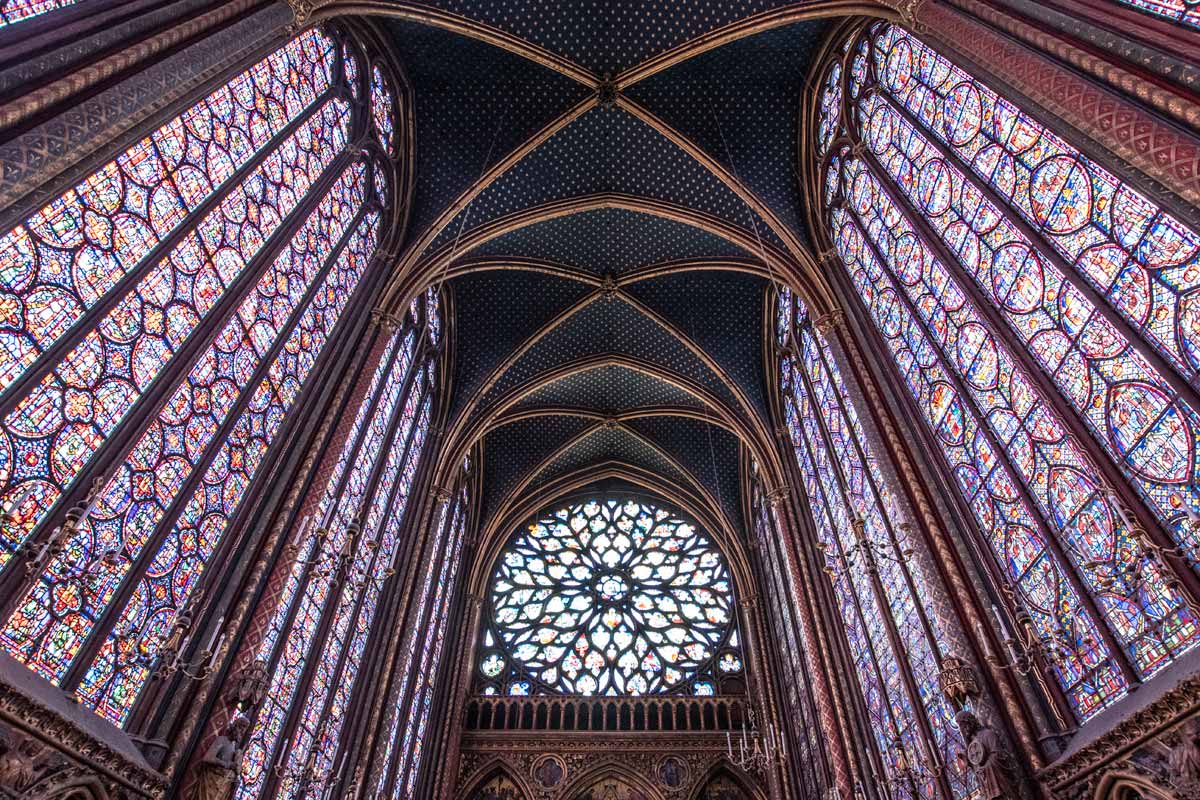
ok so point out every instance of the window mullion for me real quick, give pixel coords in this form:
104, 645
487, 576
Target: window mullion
315, 558
49, 358
1047, 389
811, 761
848, 588
396, 504
409, 613
931, 636
1178, 381
115, 447
1049, 538
149, 550
347, 584
299, 694
857, 524
430, 672
392, 781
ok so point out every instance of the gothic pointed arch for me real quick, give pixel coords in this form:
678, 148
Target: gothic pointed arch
1130, 786
611, 781
496, 781
632, 400
723, 781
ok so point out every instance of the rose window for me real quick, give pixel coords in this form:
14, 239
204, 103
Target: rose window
611, 596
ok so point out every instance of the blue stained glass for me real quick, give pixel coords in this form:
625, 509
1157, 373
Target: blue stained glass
935, 133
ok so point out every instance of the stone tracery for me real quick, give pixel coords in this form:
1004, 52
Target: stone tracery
311, 306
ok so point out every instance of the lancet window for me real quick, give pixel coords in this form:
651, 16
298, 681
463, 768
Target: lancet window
896, 639
412, 697
163, 319
346, 552
1042, 315
783, 592
611, 596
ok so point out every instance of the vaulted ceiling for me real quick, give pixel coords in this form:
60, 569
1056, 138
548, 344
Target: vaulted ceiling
607, 195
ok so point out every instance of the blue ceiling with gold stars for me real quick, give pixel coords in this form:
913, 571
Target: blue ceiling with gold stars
608, 276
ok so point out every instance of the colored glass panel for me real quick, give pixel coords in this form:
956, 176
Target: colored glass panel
407, 663
323, 592
1183, 11
1148, 616
290, 661
58, 613
13, 11
1086, 671
1141, 258
610, 597
838, 431
63, 259
337, 666
54, 431
382, 106
887, 703
1129, 407
340, 588
414, 735
181, 561
830, 120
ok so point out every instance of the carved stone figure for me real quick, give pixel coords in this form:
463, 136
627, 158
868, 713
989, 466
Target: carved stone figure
218, 773
986, 758
17, 756
671, 773
549, 772
1184, 760
251, 686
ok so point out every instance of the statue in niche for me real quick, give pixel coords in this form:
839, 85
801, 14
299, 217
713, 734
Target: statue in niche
986, 758
251, 686
218, 773
671, 773
1184, 759
17, 757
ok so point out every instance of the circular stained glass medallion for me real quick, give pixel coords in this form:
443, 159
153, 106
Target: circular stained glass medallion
610, 596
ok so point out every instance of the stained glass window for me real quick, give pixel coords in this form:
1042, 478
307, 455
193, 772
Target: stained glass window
1040, 314
12, 11
164, 318
116, 269
1185, 11
611, 596
407, 718
318, 633
425, 676
381, 107
782, 593
874, 565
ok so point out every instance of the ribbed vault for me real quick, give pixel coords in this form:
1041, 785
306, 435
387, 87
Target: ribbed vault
608, 207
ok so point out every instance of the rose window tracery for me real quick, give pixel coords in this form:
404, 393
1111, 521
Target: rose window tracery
611, 596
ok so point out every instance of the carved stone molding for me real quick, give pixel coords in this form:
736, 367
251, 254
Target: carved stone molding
44, 160
55, 746
828, 322
689, 763
1140, 744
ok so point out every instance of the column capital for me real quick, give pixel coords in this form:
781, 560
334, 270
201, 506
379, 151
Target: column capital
828, 322
301, 12
387, 321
